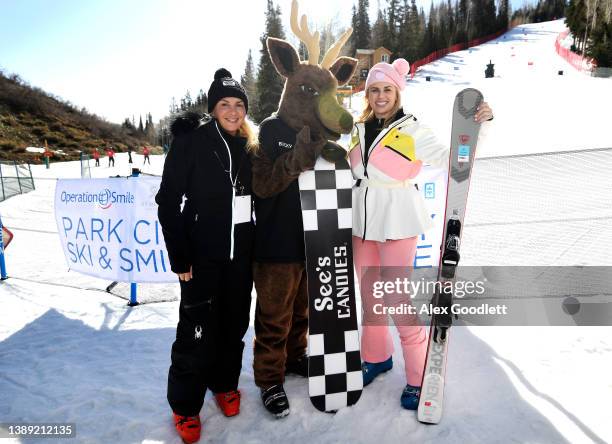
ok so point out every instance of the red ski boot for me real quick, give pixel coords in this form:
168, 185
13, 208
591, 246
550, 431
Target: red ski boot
188, 427
229, 402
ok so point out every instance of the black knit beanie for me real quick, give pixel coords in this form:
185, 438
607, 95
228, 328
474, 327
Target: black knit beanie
225, 86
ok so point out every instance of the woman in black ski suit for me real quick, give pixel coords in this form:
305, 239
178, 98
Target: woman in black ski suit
209, 247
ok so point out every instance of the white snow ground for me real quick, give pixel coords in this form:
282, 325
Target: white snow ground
70, 352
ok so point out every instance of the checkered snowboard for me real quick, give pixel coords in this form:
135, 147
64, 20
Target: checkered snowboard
335, 378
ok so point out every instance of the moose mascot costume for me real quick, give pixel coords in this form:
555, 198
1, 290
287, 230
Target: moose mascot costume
308, 121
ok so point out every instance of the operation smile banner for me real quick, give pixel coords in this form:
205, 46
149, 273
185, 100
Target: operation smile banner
108, 228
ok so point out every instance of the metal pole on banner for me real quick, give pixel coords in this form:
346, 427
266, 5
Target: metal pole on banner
133, 300
3, 274
133, 285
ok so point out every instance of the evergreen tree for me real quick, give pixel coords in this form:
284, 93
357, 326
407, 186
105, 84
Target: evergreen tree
422, 30
393, 18
173, 108
600, 45
365, 30
404, 30
362, 31
429, 39
502, 17
150, 129
188, 102
269, 84
248, 82
451, 23
490, 18
379, 31
476, 19
355, 25
462, 21
302, 51
414, 34
127, 124
140, 127
202, 102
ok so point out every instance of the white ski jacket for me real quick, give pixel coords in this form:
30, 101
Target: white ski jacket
386, 202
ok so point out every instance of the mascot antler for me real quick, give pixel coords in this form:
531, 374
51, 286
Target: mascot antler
303, 33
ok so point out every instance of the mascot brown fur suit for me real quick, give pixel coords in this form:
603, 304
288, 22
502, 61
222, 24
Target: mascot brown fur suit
308, 120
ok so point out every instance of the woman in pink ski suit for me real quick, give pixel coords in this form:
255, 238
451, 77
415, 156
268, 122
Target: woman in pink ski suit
387, 151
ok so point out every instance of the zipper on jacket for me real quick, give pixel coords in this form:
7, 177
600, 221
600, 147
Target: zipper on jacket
365, 159
233, 184
365, 173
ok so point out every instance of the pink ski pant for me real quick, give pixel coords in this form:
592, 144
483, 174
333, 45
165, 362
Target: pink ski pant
376, 342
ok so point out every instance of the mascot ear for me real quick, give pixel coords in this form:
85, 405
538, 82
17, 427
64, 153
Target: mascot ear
284, 56
343, 69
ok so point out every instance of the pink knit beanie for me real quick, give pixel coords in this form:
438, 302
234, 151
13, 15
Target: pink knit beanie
391, 73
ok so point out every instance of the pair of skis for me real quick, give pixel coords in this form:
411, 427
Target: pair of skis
335, 378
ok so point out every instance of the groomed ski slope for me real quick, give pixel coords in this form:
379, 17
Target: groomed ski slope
71, 353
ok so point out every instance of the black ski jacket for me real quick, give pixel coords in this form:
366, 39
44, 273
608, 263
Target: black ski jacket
279, 231
198, 168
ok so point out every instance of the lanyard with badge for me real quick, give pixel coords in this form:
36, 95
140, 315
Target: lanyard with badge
241, 202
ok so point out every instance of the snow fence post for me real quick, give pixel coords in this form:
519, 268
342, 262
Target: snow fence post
2, 183
3, 274
31, 177
18, 178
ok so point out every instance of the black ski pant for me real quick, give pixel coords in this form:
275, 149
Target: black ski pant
213, 318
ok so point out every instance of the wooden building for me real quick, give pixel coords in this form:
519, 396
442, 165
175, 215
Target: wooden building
366, 58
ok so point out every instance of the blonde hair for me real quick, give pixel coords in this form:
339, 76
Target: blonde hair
247, 131
368, 113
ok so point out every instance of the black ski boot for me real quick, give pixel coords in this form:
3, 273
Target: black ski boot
275, 400
298, 367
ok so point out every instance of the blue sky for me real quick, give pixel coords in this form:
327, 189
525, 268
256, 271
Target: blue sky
120, 58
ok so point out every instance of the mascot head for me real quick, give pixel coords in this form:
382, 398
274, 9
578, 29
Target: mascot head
309, 96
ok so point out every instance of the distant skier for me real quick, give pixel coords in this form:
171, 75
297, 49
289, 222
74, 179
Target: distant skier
47, 154
387, 151
96, 156
145, 152
111, 156
130, 154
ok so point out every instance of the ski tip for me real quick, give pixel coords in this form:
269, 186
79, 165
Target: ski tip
466, 102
